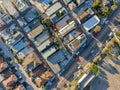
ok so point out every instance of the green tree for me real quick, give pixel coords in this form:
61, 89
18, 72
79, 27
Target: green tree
115, 2
97, 29
46, 21
114, 7
105, 11
97, 4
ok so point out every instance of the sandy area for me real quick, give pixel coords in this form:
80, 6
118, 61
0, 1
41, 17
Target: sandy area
108, 77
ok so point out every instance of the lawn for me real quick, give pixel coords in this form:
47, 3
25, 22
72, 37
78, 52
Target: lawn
94, 68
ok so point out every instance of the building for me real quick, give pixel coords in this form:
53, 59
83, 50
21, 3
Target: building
20, 5
41, 38
3, 65
9, 81
32, 14
52, 9
31, 61
67, 1
71, 36
38, 71
35, 32
84, 15
90, 23
77, 42
43, 78
24, 52
58, 15
44, 45
10, 8
20, 45
20, 87
7, 18
49, 51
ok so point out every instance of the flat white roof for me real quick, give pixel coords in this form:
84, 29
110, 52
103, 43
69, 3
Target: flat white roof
43, 45
8, 5
90, 23
53, 9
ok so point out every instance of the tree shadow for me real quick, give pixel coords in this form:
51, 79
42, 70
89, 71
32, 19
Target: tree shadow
116, 61
99, 84
111, 69
102, 74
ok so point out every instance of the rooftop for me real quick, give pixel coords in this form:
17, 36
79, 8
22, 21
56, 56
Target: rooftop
41, 38
3, 65
44, 45
32, 14
10, 8
20, 45
35, 32
52, 9
10, 80
85, 14
21, 5
21, 54
31, 61
90, 23
61, 23
43, 78
71, 35
38, 71
77, 42
54, 61
49, 51
20, 87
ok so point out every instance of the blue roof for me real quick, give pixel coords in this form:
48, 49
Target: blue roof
91, 22
56, 57
46, 1
20, 45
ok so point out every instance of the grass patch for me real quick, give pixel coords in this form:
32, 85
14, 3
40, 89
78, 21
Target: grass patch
94, 69
80, 76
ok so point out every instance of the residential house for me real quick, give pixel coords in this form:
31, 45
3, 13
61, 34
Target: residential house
35, 32
58, 15
24, 52
10, 8
53, 8
43, 78
7, 18
3, 65
71, 35
20, 5
77, 42
2, 23
44, 45
47, 3
49, 51
38, 71
9, 81
84, 15
65, 25
20, 87
67, 1
20, 45
72, 5
90, 23
41, 38
2, 11
32, 14
31, 61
